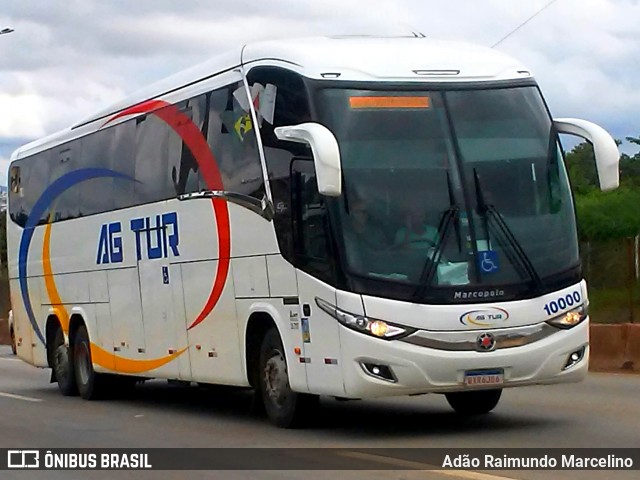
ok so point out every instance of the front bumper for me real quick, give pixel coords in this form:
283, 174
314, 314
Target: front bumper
420, 369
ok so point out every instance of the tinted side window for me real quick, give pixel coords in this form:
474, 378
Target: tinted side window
96, 195
152, 142
183, 166
310, 226
233, 142
36, 181
291, 108
63, 160
122, 144
17, 206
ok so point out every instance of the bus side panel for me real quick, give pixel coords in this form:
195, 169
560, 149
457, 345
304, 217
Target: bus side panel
22, 327
180, 327
104, 334
72, 288
213, 343
126, 316
322, 341
158, 313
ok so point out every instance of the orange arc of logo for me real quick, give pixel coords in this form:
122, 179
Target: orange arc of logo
50, 284
108, 360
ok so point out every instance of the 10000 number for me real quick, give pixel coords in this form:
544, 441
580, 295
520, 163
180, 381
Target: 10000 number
561, 303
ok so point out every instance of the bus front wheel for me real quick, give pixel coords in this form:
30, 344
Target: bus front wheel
90, 383
474, 403
284, 407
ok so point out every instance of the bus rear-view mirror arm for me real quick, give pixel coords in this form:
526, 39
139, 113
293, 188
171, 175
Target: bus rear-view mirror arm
262, 207
604, 148
326, 154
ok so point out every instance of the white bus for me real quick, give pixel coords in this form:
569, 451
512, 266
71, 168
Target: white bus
350, 217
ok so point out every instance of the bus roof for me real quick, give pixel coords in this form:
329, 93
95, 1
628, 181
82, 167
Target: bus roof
388, 59
346, 58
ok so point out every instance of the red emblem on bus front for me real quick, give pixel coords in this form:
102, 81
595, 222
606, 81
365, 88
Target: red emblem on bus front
485, 342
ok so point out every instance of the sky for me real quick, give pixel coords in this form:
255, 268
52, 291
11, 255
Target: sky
67, 59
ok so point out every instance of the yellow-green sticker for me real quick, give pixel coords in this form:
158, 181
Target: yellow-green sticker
243, 125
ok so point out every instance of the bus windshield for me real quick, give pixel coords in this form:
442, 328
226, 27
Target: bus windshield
447, 190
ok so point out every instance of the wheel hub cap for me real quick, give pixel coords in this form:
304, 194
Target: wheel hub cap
276, 381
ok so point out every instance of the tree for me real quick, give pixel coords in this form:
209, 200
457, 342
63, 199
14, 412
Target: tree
581, 166
605, 215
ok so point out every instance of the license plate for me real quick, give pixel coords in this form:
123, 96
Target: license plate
484, 378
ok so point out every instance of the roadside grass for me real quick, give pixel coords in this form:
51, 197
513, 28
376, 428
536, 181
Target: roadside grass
615, 305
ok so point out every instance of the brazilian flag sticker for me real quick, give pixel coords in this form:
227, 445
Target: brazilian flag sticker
242, 126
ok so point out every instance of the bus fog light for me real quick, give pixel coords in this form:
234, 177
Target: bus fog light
379, 371
574, 358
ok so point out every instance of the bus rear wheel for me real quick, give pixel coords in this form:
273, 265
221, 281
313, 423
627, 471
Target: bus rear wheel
284, 407
62, 364
14, 348
474, 403
90, 384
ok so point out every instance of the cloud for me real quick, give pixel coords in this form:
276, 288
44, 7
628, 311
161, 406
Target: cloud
67, 59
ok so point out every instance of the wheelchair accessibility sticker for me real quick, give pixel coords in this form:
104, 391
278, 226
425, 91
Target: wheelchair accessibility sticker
488, 261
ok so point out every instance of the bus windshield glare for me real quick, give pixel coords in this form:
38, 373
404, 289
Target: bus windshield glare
442, 189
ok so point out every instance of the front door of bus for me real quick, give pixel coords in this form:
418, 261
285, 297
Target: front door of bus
320, 332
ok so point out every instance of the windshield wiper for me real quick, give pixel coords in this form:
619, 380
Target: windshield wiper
431, 263
506, 237
450, 215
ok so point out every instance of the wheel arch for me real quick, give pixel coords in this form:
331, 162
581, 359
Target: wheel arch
258, 324
52, 325
75, 322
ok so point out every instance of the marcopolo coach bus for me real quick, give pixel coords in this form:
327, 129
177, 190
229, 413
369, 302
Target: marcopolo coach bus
351, 217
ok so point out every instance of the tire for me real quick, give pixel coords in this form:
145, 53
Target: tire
14, 348
63, 366
91, 385
284, 407
474, 403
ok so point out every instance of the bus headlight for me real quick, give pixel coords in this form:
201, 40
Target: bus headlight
571, 318
360, 323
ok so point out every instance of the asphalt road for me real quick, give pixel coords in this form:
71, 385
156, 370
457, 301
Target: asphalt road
603, 411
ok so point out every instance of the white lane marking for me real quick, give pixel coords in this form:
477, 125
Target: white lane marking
20, 397
423, 466
11, 359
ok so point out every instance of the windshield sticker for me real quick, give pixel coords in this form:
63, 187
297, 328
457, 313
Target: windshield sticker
306, 333
263, 99
488, 261
389, 102
242, 126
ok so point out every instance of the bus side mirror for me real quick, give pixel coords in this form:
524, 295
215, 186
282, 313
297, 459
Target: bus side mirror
326, 154
604, 148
